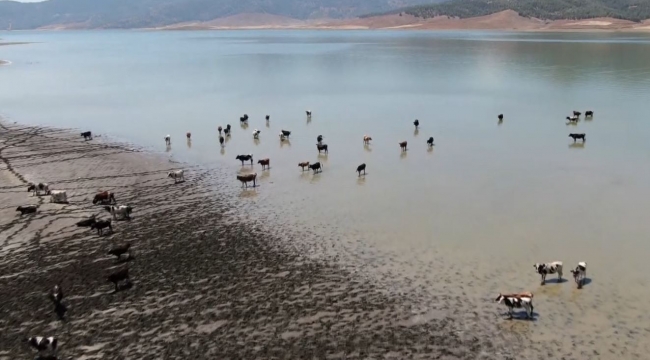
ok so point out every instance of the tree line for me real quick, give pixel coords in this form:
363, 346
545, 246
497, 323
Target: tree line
634, 10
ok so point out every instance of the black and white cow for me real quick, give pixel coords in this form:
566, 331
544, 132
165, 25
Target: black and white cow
580, 273
178, 175
549, 268
519, 301
123, 211
39, 188
41, 343
56, 295
87, 135
168, 140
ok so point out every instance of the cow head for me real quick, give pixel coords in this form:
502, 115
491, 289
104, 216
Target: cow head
31, 187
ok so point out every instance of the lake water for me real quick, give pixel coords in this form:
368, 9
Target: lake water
459, 222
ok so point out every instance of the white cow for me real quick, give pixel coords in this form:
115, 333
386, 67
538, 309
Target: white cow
580, 273
58, 196
124, 211
178, 175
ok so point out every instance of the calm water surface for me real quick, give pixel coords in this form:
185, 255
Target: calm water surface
468, 217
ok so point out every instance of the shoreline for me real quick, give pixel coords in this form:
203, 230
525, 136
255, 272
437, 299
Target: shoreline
205, 281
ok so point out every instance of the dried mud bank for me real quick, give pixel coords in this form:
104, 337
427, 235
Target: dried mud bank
207, 284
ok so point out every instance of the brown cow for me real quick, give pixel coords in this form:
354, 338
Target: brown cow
103, 197
303, 165
403, 145
366, 139
245, 179
265, 162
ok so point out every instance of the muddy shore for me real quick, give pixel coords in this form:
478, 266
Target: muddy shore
207, 282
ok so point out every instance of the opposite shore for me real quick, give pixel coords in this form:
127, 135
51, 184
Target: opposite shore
206, 284
507, 20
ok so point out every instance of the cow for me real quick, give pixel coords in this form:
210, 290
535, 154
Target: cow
576, 113
188, 135
430, 141
416, 123
41, 343
512, 301
221, 140
366, 139
39, 188
549, 268
322, 147
286, 133
244, 158
103, 197
56, 295
268, 117
168, 140
578, 136
589, 113
308, 112
245, 179
27, 209
87, 135
124, 211
319, 139
303, 165
220, 129
243, 118
226, 131
403, 145
316, 167
101, 225
264, 162
59, 196
580, 274
572, 118
178, 175
121, 249
119, 275
360, 168
500, 116
87, 222
256, 134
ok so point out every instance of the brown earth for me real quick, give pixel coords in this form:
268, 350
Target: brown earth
505, 20
208, 281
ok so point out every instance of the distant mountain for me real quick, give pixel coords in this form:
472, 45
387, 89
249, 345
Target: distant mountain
635, 10
151, 13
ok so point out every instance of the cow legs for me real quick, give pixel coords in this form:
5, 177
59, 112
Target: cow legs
559, 274
543, 279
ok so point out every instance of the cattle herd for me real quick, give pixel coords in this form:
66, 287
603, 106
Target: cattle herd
46, 346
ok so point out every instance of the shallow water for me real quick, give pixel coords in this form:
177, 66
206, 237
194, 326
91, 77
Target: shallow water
467, 218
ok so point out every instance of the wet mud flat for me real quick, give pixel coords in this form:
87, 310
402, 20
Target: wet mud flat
207, 282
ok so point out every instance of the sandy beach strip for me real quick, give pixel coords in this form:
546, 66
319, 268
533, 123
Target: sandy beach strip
206, 284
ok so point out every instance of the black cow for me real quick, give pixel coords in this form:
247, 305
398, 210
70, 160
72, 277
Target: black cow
316, 167
243, 158
87, 135
101, 225
360, 168
578, 136
27, 209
